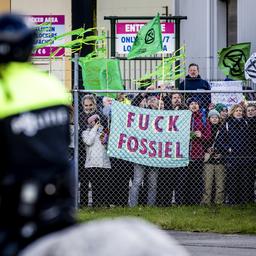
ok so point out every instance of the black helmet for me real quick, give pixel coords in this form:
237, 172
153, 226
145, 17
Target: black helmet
16, 38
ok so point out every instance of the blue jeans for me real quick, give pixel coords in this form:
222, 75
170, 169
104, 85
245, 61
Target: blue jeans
139, 171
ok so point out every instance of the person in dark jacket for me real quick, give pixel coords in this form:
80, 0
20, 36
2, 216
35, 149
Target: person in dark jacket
194, 82
214, 170
234, 140
251, 119
200, 134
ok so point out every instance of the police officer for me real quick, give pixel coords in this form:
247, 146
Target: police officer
35, 195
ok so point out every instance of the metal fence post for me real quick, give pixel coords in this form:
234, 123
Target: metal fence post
76, 125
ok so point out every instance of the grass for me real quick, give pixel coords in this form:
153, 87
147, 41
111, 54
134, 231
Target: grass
226, 220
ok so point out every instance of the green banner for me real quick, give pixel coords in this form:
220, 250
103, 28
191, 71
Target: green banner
101, 74
232, 60
148, 40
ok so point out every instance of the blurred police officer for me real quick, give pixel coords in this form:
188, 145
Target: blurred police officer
35, 195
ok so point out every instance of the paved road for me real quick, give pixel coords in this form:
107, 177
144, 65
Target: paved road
210, 244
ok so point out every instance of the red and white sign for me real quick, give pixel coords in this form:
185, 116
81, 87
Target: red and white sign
126, 33
53, 25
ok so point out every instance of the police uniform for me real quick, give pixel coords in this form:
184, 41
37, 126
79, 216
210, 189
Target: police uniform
35, 195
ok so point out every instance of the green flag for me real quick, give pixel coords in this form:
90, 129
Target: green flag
167, 70
101, 74
148, 40
232, 60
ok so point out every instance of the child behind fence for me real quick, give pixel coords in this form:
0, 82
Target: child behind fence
214, 170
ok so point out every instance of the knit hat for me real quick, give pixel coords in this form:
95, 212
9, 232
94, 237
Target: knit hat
93, 118
213, 112
193, 99
220, 106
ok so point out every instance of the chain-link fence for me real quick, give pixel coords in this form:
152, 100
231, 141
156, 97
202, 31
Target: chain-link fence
168, 148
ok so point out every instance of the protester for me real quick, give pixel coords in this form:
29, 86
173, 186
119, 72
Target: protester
153, 102
89, 105
194, 82
251, 119
214, 170
251, 110
97, 163
235, 141
140, 171
223, 110
106, 110
34, 123
122, 97
120, 176
121, 172
170, 180
200, 134
174, 102
89, 108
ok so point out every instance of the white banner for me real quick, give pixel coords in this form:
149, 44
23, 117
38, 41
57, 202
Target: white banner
229, 98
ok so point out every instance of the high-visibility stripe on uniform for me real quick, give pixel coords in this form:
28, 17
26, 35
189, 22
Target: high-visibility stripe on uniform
29, 89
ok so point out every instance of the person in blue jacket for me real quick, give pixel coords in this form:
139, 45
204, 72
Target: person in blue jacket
194, 82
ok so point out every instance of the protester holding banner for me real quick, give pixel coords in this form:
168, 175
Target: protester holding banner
193, 82
170, 180
140, 171
234, 139
121, 173
200, 134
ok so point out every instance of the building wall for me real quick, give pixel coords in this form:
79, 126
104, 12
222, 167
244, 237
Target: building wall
203, 33
5, 5
60, 67
194, 31
219, 35
246, 22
